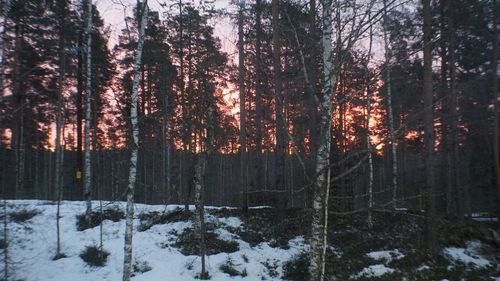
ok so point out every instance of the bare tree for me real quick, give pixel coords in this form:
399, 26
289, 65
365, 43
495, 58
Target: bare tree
243, 122
127, 260
88, 113
388, 88
59, 124
496, 103
323, 155
199, 186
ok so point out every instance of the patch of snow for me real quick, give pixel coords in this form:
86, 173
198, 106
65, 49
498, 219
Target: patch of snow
32, 245
467, 255
485, 219
231, 221
374, 270
423, 267
386, 255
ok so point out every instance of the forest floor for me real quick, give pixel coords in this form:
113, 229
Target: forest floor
252, 246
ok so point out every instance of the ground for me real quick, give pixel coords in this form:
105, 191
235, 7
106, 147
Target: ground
252, 246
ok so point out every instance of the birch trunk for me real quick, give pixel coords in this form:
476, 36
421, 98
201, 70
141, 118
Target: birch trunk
388, 55
127, 260
323, 154
243, 123
59, 126
496, 103
87, 182
5, 236
3, 46
199, 185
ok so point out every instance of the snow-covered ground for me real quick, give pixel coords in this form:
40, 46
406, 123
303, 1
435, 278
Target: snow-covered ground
33, 244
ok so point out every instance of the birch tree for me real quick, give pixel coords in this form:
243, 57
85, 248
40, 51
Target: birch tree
88, 113
243, 123
59, 123
388, 88
323, 154
127, 259
199, 186
496, 103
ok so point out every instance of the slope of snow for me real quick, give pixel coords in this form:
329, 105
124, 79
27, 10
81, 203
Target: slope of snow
32, 245
374, 270
387, 255
468, 255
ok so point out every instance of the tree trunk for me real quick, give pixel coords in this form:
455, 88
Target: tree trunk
88, 111
279, 116
429, 128
496, 96
243, 122
79, 119
127, 260
388, 55
323, 154
59, 123
259, 112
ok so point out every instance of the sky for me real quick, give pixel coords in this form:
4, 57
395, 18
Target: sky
113, 12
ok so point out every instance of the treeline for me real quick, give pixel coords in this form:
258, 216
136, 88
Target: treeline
183, 64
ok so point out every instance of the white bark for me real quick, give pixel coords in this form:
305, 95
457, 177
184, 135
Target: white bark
389, 110
3, 46
243, 126
5, 237
59, 132
87, 182
323, 154
127, 260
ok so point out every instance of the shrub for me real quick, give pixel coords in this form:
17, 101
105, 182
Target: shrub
152, 218
141, 267
188, 243
229, 268
297, 268
94, 256
114, 215
23, 215
272, 268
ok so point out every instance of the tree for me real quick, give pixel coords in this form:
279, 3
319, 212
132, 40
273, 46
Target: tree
429, 125
321, 187
280, 126
390, 113
127, 260
243, 123
88, 113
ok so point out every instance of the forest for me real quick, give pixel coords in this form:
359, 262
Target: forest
253, 140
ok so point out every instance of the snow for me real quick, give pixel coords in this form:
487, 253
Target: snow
33, 243
485, 219
467, 255
387, 255
374, 270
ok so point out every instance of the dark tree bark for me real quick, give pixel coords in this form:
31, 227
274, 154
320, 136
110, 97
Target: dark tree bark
279, 116
429, 127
